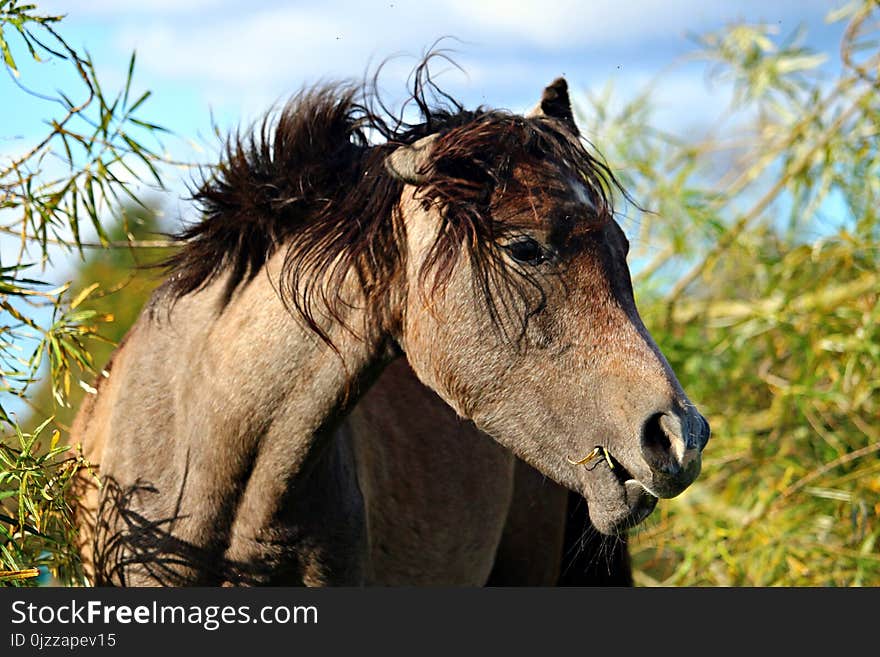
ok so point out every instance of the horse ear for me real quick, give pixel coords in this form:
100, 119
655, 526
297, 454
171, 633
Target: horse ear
407, 163
556, 104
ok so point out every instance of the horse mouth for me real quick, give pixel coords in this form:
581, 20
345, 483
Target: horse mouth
642, 501
639, 498
617, 500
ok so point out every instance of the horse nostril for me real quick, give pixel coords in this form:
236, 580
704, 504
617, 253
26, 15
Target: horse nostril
658, 435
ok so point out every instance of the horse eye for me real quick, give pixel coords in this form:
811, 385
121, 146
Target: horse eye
526, 251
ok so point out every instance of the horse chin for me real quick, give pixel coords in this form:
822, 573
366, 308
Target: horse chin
640, 500
617, 501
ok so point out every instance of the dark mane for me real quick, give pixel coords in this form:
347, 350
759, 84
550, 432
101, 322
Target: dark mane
310, 181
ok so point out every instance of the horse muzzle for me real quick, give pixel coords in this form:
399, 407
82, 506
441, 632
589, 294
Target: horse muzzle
671, 445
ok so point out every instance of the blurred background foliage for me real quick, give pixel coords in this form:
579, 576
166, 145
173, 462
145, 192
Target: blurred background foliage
755, 261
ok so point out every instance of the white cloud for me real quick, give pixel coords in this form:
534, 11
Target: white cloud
252, 55
564, 22
245, 50
242, 58
111, 8
554, 24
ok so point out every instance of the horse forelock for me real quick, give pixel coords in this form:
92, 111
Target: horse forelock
488, 174
309, 181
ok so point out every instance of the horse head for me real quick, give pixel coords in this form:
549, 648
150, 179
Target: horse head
519, 310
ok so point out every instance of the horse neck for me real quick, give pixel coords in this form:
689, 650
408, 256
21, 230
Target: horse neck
287, 380
242, 402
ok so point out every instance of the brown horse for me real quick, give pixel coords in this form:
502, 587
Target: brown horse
480, 243
446, 504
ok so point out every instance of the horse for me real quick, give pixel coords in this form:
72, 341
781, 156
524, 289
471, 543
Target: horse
447, 505
481, 244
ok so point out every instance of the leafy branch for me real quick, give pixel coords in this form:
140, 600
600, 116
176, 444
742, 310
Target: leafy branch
97, 154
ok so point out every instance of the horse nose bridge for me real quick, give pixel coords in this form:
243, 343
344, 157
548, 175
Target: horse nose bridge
649, 358
635, 371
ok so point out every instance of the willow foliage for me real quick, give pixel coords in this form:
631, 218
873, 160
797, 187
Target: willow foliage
85, 168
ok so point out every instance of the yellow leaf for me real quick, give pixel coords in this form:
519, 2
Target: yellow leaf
11, 575
54, 442
796, 565
83, 295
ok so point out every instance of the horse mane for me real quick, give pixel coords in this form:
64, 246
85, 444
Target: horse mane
310, 181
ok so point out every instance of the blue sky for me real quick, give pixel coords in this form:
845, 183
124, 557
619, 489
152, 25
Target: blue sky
233, 60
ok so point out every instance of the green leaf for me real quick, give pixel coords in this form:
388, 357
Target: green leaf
83, 295
7, 55
143, 97
149, 126
128, 79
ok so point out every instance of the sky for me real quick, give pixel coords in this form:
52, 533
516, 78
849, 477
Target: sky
235, 59
230, 61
